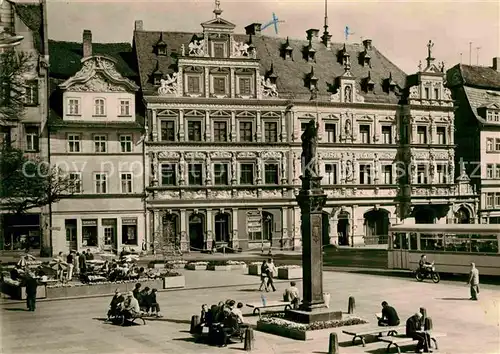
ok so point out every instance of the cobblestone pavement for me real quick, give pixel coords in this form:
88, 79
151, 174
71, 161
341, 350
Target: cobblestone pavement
76, 326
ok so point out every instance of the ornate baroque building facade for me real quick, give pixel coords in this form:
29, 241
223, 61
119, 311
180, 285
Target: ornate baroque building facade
224, 115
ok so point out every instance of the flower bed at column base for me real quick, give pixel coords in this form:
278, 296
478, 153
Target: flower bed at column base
96, 289
175, 282
301, 331
290, 272
197, 266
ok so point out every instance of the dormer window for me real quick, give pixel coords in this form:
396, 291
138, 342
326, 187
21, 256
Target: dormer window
251, 47
157, 74
73, 106
287, 50
391, 85
492, 116
369, 83
309, 52
161, 46
271, 75
312, 80
365, 59
343, 57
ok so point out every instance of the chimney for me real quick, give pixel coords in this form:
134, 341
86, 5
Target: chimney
253, 29
87, 43
368, 44
496, 64
138, 25
312, 33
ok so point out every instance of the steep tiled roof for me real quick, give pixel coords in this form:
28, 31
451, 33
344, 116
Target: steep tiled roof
31, 15
481, 98
478, 76
65, 57
291, 73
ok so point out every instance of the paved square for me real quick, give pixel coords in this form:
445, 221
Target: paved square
76, 326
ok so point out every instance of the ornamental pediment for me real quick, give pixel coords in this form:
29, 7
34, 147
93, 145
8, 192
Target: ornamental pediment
99, 74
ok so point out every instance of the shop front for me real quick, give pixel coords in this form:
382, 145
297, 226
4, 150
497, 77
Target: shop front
20, 232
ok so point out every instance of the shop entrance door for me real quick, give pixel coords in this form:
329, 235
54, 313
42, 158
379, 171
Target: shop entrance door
71, 234
109, 230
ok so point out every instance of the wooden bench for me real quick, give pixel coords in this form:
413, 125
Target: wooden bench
403, 340
374, 331
139, 316
257, 306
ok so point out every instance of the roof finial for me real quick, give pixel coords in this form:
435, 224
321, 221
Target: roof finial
217, 11
326, 16
429, 58
326, 36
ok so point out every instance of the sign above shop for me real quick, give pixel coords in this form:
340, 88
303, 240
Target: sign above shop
254, 221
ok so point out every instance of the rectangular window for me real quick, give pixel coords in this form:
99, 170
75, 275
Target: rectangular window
387, 171
497, 171
489, 144
490, 200
246, 132
440, 174
427, 93
125, 108
89, 233
31, 94
436, 94
219, 50
421, 135
489, 170
32, 139
100, 143
101, 183
193, 84
497, 200
99, 107
195, 174
220, 131
271, 173
246, 173
194, 131
331, 132
126, 143
365, 174
497, 144
74, 143
126, 179
386, 134
245, 84
364, 132
441, 135
221, 174
219, 85
76, 182
129, 231
271, 132
421, 174
74, 106
168, 177
330, 176
167, 130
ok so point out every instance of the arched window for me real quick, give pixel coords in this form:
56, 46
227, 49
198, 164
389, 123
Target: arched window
99, 107
169, 227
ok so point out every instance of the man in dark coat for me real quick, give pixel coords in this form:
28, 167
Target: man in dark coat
414, 330
82, 262
31, 285
389, 315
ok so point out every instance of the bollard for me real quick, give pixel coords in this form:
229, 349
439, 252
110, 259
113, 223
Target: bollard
249, 339
428, 324
195, 321
351, 306
333, 347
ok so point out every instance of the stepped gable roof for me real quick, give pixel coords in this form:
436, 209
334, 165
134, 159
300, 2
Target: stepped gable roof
65, 57
31, 15
291, 73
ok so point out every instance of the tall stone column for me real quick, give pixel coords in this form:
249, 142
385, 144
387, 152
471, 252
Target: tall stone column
210, 228
182, 136
232, 127
283, 135
184, 233
235, 241
296, 241
259, 127
157, 241
154, 125
208, 127
284, 226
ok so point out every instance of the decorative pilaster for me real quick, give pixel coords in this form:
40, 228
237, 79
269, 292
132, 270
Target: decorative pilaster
259, 127
182, 169
182, 136
184, 231
207, 82
355, 170
432, 133
210, 228
235, 241
376, 133
232, 82
234, 172
376, 167
232, 128
180, 82
154, 122
154, 168
319, 119
413, 137
208, 128
284, 226
295, 124
258, 175
283, 169
208, 169
451, 135
283, 135
156, 239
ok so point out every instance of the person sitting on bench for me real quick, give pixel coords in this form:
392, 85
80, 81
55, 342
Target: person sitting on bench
115, 304
389, 316
414, 327
292, 295
236, 311
131, 308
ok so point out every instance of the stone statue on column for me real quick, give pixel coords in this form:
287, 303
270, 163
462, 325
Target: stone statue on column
309, 155
376, 167
154, 166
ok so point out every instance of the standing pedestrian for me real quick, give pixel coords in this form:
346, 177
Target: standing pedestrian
31, 285
263, 276
76, 263
271, 270
474, 282
82, 262
60, 270
69, 260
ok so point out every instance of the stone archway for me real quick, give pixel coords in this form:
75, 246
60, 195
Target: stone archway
376, 226
343, 227
424, 215
196, 231
222, 222
462, 215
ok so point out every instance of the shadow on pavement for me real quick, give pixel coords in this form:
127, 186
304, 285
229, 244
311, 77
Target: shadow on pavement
250, 290
454, 298
188, 339
404, 349
17, 309
171, 320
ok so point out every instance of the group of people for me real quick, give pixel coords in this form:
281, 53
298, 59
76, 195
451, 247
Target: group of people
267, 272
134, 303
416, 325
77, 264
221, 321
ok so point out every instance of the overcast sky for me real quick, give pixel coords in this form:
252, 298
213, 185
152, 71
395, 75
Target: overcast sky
399, 29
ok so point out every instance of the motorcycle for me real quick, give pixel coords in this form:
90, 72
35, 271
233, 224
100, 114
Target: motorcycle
428, 272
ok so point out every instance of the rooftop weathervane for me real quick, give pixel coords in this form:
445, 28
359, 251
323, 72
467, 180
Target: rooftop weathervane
217, 10
274, 22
